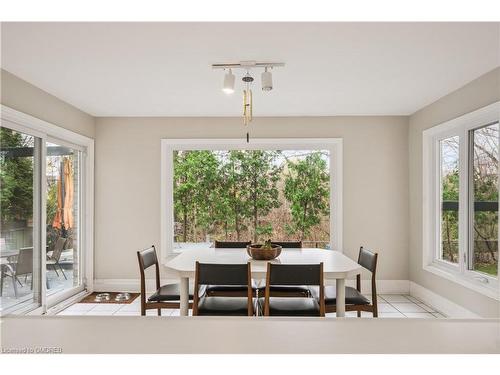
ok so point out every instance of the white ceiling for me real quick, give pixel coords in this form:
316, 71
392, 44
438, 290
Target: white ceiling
163, 69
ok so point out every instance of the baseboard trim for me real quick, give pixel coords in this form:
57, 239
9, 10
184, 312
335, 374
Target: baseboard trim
444, 305
127, 285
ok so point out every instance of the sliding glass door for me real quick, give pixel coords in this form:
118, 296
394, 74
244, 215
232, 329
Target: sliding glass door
43, 221
19, 248
63, 266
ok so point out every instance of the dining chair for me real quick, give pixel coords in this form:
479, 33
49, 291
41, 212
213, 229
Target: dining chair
287, 290
231, 244
165, 296
288, 244
354, 300
293, 275
54, 256
223, 274
230, 290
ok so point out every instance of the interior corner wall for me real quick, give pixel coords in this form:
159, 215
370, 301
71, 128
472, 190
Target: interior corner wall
24, 97
477, 94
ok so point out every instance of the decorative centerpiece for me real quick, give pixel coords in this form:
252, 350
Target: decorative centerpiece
267, 251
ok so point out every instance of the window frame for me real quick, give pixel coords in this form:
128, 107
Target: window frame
48, 132
431, 175
334, 145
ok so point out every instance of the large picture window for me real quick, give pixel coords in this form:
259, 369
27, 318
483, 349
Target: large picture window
283, 190
461, 199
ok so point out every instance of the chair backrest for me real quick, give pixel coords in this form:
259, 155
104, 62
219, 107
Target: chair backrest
24, 261
231, 244
367, 259
222, 274
288, 244
148, 258
295, 274
58, 248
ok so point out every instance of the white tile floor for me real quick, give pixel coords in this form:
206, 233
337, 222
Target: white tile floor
389, 306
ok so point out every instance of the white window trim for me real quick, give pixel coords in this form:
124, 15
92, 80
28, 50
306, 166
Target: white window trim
28, 124
460, 126
334, 145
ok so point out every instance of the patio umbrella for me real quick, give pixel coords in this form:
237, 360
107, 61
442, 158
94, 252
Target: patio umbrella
58, 217
68, 194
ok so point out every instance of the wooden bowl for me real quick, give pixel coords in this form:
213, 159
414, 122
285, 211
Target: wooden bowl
258, 253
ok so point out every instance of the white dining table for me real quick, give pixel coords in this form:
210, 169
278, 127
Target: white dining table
336, 266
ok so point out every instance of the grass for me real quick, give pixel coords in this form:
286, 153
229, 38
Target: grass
488, 268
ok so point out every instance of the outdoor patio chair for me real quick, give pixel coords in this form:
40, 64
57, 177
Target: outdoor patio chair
293, 275
225, 274
55, 256
354, 300
165, 296
20, 265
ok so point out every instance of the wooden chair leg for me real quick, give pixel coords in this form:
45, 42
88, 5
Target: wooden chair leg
359, 314
143, 309
159, 312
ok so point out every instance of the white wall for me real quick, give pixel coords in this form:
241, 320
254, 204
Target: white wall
24, 97
244, 335
128, 182
479, 93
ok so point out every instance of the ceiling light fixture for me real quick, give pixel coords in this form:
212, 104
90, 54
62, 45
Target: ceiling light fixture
229, 80
267, 80
247, 99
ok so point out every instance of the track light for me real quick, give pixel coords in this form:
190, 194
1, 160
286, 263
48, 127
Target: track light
267, 80
247, 65
228, 87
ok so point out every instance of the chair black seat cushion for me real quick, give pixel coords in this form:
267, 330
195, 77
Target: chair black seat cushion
229, 288
302, 290
227, 306
296, 306
352, 296
169, 292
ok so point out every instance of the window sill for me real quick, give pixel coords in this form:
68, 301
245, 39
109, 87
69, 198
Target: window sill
490, 291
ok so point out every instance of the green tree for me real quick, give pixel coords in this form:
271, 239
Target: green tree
261, 174
307, 189
16, 177
194, 179
449, 224
233, 208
